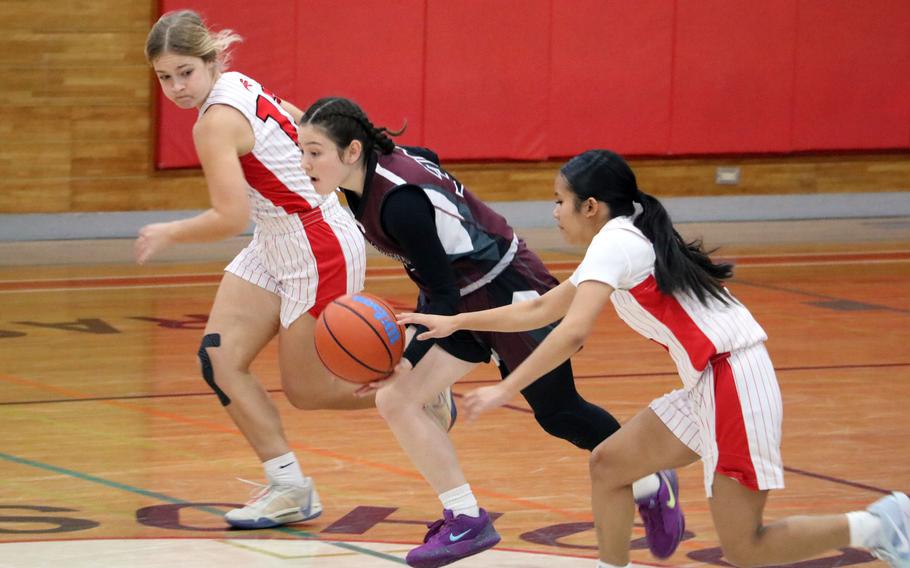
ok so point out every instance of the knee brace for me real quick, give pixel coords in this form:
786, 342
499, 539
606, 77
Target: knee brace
208, 373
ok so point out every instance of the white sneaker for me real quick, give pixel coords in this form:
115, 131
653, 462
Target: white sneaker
894, 545
442, 409
276, 505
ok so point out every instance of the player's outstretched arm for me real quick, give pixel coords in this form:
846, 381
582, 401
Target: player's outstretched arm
559, 345
521, 316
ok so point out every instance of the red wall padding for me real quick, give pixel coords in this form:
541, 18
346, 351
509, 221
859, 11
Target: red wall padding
536, 79
852, 75
732, 86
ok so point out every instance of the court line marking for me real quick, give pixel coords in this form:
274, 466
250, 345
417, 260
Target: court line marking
397, 272
586, 377
168, 499
323, 452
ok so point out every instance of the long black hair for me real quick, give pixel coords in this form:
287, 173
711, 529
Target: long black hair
344, 121
679, 266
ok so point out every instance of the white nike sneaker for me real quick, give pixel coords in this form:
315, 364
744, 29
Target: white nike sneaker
442, 409
894, 544
276, 505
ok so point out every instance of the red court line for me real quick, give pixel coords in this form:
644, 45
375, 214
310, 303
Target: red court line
391, 271
232, 430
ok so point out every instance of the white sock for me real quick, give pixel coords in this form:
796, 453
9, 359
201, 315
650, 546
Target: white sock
602, 564
865, 529
646, 486
284, 470
460, 501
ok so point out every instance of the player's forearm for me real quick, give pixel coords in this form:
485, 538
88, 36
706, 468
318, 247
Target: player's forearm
522, 316
558, 346
208, 226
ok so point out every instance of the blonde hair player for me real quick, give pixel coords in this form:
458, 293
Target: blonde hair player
729, 410
306, 251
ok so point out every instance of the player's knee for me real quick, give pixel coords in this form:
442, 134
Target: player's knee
569, 426
211, 340
606, 466
391, 403
741, 555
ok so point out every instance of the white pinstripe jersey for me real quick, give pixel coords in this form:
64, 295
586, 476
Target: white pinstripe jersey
621, 256
279, 188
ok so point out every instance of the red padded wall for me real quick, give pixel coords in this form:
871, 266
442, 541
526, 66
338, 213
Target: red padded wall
610, 76
487, 74
732, 76
852, 75
535, 79
269, 33
370, 51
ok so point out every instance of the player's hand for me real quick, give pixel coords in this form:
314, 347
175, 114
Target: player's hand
437, 326
152, 239
480, 400
370, 388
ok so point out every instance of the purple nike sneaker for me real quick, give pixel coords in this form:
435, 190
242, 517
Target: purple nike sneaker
452, 538
662, 516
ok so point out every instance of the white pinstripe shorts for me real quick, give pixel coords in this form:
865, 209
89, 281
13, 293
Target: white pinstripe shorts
308, 260
732, 419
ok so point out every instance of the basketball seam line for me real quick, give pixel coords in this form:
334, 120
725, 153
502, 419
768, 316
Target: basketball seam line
351, 355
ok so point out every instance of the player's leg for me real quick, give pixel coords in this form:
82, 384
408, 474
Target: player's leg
251, 291
642, 446
306, 382
562, 412
244, 318
465, 528
328, 261
747, 424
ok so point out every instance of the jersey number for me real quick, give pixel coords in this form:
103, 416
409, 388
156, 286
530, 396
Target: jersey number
266, 109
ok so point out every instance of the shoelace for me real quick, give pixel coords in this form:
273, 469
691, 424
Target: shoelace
434, 527
255, 494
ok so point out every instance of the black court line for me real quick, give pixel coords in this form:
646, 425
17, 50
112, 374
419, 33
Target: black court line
818, 296
473, 382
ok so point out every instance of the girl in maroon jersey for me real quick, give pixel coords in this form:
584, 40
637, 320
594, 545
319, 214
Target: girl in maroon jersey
728, 412
463, 256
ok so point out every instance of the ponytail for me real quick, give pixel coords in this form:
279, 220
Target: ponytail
679, 266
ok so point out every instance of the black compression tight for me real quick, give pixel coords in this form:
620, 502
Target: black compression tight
563, 413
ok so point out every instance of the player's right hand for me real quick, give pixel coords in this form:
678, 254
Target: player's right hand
437, 326
152, 239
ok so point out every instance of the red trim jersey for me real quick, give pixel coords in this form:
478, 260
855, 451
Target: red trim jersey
278, 185
693, 333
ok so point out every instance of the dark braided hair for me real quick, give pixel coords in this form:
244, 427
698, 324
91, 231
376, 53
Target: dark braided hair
344, 121
679, 266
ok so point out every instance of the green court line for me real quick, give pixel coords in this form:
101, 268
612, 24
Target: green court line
174, 500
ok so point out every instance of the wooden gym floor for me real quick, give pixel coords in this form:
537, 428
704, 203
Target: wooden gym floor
115, 453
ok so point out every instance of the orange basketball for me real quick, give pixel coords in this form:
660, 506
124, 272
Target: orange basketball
358, 339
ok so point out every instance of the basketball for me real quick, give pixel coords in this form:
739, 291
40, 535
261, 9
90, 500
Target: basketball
358, 339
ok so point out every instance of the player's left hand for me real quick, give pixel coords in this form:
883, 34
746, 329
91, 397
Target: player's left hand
401, 368
480, 400
152, 239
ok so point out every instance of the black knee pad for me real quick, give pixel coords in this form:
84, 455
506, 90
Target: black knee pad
208, 373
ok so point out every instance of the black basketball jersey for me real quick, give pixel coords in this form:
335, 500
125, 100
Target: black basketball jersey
479, 242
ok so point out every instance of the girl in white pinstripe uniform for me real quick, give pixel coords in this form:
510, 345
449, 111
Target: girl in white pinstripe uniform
728, 412
306, 251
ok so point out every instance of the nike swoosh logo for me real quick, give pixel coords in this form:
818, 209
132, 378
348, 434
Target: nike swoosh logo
457, 537
671, 501
285, 465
